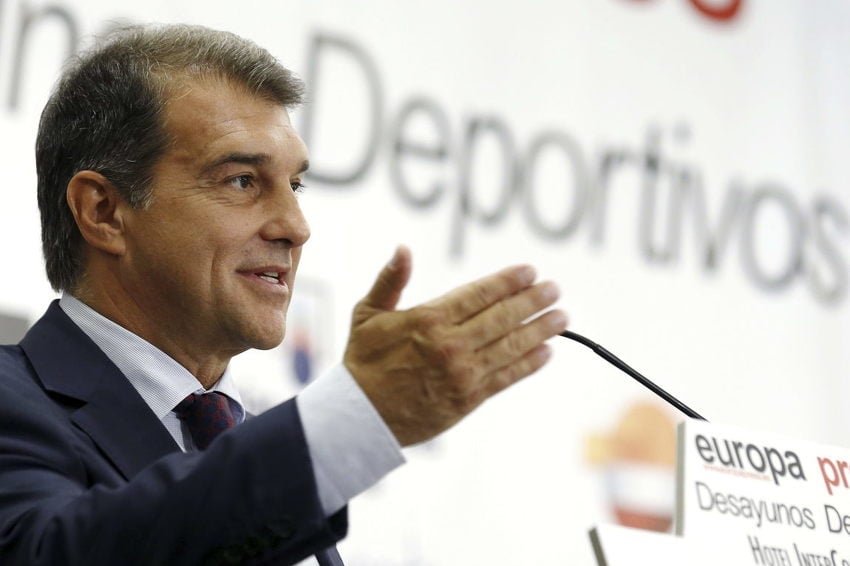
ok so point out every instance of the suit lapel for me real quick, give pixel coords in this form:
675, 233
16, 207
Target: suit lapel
112, 413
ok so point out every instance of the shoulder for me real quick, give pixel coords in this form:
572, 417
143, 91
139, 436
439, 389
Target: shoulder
14, 366
21, 392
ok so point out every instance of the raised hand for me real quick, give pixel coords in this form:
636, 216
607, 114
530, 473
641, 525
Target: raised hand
427, 367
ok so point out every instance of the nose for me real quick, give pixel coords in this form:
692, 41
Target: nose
285, 220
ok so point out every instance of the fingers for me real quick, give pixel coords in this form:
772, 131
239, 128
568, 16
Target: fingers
514, 346
468, 300
523, 367
386, 291
505, 316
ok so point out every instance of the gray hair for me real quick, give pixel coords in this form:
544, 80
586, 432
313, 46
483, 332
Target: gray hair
105, 115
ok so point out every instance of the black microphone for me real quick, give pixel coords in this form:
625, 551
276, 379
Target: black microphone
623, 366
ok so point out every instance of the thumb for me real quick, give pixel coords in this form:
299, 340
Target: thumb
386, 291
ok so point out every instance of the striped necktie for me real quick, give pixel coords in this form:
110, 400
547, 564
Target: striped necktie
206, 416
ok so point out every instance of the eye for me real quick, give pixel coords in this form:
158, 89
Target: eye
241, 182
297, 186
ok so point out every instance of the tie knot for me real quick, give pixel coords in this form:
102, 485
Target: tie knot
206, 416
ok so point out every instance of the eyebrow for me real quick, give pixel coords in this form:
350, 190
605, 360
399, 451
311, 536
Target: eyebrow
243, 158
246, 159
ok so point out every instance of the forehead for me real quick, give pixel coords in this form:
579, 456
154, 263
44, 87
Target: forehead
207, 118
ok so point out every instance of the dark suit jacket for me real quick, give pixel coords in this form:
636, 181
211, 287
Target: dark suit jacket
89, 476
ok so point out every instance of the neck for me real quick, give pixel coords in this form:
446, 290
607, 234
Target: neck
206, 366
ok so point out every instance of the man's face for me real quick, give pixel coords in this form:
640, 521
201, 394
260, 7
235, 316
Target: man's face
211, 262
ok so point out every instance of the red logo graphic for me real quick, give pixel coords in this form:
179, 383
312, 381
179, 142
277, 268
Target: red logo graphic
717, 10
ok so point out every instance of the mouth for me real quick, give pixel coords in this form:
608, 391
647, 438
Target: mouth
273, 275
270, 276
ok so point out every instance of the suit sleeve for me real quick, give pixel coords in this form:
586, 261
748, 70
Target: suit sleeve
250, 498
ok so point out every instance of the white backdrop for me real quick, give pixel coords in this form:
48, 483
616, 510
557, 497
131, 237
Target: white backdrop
682, 177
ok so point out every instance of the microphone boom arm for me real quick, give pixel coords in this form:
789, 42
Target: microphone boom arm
634, 374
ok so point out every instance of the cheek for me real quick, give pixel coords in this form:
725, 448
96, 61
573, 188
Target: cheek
204, 240
193, 240
171, 251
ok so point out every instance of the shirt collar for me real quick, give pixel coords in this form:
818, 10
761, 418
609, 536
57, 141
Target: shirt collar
160, 380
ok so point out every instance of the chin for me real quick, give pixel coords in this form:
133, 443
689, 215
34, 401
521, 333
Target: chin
268, 339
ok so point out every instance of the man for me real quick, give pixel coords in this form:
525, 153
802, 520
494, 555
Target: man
168, 173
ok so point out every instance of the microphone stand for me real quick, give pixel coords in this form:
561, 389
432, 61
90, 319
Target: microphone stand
623, 366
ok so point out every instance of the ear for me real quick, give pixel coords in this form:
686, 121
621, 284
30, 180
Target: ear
98, 209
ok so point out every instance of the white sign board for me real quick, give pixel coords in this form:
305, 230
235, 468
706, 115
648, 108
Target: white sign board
768, 498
